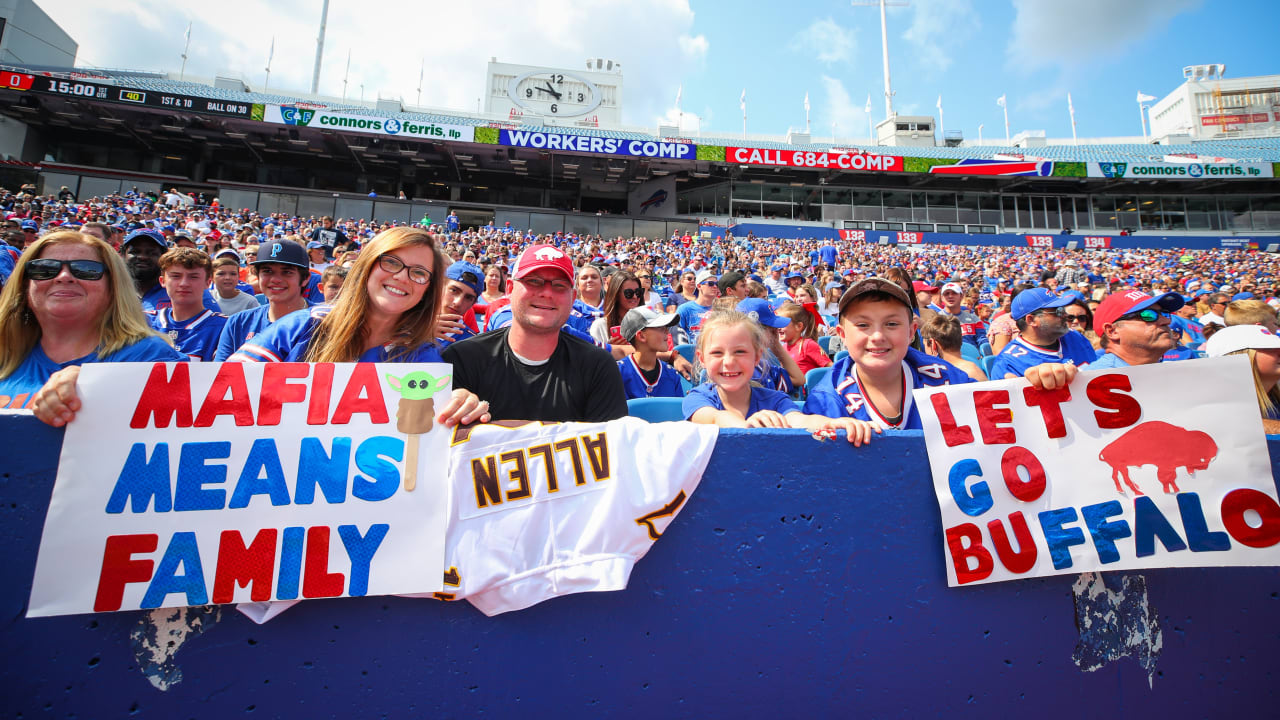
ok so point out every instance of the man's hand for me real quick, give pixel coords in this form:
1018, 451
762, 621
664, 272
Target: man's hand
464, 408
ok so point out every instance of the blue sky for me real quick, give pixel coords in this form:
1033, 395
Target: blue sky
969, 51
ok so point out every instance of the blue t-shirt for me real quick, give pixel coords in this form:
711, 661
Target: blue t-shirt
582, 315
691, 319
288, 338
1018, 355
1180, 352
157, 299
838, 395
196, 337
633, 382
17, 389
706, 395
1108, 361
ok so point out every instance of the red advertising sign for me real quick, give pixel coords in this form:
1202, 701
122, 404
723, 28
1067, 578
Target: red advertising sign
853, 235
1233, 119
812, 159
17, 80
1040, 241
1096, 243
910, 238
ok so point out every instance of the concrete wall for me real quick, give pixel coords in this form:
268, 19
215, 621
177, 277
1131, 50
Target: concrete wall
31, 37
802, 580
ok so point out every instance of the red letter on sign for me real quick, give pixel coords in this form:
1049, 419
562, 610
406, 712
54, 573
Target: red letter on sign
1234, 506
960, 554
230, 377
164, 397
1050, 404
990, 417
1033, 488
276, 392
119, 568
240, 565
952, 433
317, 581
1105, 392
1025, 558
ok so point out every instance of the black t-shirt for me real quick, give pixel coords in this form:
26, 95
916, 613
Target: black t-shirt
579, 382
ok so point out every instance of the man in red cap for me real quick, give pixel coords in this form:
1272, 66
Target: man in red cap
531, 369
1134, 328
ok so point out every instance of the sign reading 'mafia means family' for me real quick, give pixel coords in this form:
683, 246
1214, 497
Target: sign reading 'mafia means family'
196, 483
1152, 466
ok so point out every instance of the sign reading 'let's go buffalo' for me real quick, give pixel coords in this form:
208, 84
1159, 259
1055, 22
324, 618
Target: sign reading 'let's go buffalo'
1113, 472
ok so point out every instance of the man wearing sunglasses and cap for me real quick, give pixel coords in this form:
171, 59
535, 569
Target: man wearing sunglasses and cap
1134, 327
1043, 335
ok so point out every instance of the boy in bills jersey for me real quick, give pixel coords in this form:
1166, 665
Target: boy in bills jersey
875, 381
643, 374
193, 329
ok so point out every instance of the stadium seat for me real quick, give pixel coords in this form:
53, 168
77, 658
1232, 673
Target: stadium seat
840, 356
663, 409
985, 349
970, 353
813, 377
686, 351
824, 342
986, 362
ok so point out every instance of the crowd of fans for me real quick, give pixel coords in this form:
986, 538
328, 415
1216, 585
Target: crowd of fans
567, 327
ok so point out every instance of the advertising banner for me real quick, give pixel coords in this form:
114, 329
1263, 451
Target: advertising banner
390, 127
1179, 171
812, 159
194, 483
597, 144
1112, 472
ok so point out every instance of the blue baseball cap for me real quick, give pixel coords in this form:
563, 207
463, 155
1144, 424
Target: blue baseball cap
758, 309
30, 225
144, 234
1029, 301
313, 245
467, 274
1242, 296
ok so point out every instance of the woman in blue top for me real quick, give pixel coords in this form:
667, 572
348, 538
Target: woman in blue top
386, 312
70, 301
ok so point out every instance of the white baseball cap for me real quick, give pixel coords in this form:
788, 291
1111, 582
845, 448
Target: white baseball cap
953, 287
1240, 337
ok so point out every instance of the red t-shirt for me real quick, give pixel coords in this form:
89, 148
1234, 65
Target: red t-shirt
808, 355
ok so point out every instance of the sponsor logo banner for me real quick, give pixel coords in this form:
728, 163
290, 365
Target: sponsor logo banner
596, 144
812, 159
1179, 171
392, 127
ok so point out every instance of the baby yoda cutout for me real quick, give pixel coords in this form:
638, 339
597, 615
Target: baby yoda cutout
414, 414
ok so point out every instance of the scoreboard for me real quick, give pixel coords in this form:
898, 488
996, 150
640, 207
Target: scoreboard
124, 95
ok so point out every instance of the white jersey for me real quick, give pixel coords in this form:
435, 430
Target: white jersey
538, 510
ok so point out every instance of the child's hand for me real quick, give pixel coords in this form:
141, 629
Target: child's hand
859, 432
767, 419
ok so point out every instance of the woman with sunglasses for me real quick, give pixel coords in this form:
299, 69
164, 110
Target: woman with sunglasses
1079, 317
392, 318
70, 301
623, 294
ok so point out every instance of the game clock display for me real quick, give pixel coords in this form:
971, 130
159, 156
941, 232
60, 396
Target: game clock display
562, 94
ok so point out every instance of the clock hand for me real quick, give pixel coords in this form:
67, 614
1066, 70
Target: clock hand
552, 90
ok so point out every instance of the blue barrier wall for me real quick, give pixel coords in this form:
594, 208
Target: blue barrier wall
803, 579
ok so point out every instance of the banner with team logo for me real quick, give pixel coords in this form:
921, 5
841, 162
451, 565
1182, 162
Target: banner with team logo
1179, 171
194, 483
300, 116
1112, 472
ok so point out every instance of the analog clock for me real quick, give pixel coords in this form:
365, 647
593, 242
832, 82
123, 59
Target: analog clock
554, 93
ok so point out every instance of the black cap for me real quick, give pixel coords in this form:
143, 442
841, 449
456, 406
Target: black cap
285, 252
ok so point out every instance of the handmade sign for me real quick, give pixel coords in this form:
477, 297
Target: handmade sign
197, 483
1113, 472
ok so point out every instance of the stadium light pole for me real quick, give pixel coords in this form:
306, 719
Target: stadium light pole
270, 54
884, 45
315, 73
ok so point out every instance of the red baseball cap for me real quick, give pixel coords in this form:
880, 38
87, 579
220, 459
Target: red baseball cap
922, 286
1122, 303
536, 257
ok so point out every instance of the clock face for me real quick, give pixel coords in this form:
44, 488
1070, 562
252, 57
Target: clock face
555, 94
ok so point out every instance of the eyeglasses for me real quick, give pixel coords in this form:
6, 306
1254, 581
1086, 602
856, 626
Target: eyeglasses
392, 265
1051, 311
537, 283
643, 277
632, 294
48, 269
1146, 316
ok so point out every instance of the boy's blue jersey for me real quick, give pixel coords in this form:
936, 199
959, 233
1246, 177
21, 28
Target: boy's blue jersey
502, 318
1193, 332
691, 319
240, 328
838, 395
196, 337
287, 340
667, 385
706, 395
157, 299
16, 389
1019, 355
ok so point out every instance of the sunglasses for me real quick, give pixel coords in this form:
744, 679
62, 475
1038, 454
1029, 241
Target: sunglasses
632, 294
643, 277
48, 269
392, 265
1076, 317
1146, 316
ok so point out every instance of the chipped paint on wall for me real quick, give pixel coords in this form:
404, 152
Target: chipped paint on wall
1115, 623
159, 635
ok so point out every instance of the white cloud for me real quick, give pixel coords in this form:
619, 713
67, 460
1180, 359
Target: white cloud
838, 106
387, 46
937, 28
1047, 34
826, 40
